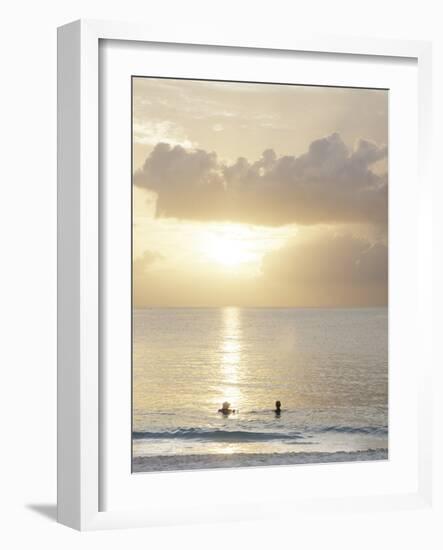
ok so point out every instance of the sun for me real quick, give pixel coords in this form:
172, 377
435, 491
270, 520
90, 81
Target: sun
230, 252
230, 247
238, 248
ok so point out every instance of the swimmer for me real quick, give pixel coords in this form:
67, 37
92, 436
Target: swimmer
226, 409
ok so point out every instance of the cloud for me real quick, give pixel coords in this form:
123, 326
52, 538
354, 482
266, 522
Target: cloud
142, 264
152, 132
340, 267
327, 184
322, 269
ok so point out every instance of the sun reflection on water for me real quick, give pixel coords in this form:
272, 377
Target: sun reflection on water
230, 354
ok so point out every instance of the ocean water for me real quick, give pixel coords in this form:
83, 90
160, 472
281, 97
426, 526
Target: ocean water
328, 367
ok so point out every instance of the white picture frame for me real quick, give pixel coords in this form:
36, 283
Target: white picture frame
80, 392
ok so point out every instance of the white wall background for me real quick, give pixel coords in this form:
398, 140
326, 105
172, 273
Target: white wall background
28, 268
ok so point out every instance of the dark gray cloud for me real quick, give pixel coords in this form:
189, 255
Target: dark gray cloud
327, 184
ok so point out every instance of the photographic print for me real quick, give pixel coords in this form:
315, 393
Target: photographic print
259, 274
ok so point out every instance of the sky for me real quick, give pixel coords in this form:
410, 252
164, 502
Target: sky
259, 195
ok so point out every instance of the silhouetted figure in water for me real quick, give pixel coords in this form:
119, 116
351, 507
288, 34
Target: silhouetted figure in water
277, 408
226, 409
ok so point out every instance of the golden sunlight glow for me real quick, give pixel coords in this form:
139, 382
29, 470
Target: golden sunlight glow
230, 353
232, 246
230, 252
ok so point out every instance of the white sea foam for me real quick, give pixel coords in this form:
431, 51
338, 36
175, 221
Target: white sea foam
238, 460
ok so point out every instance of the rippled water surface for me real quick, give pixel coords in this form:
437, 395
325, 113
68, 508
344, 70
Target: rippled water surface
328, 367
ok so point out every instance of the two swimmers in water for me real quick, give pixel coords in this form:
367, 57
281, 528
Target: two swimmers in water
226, 409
